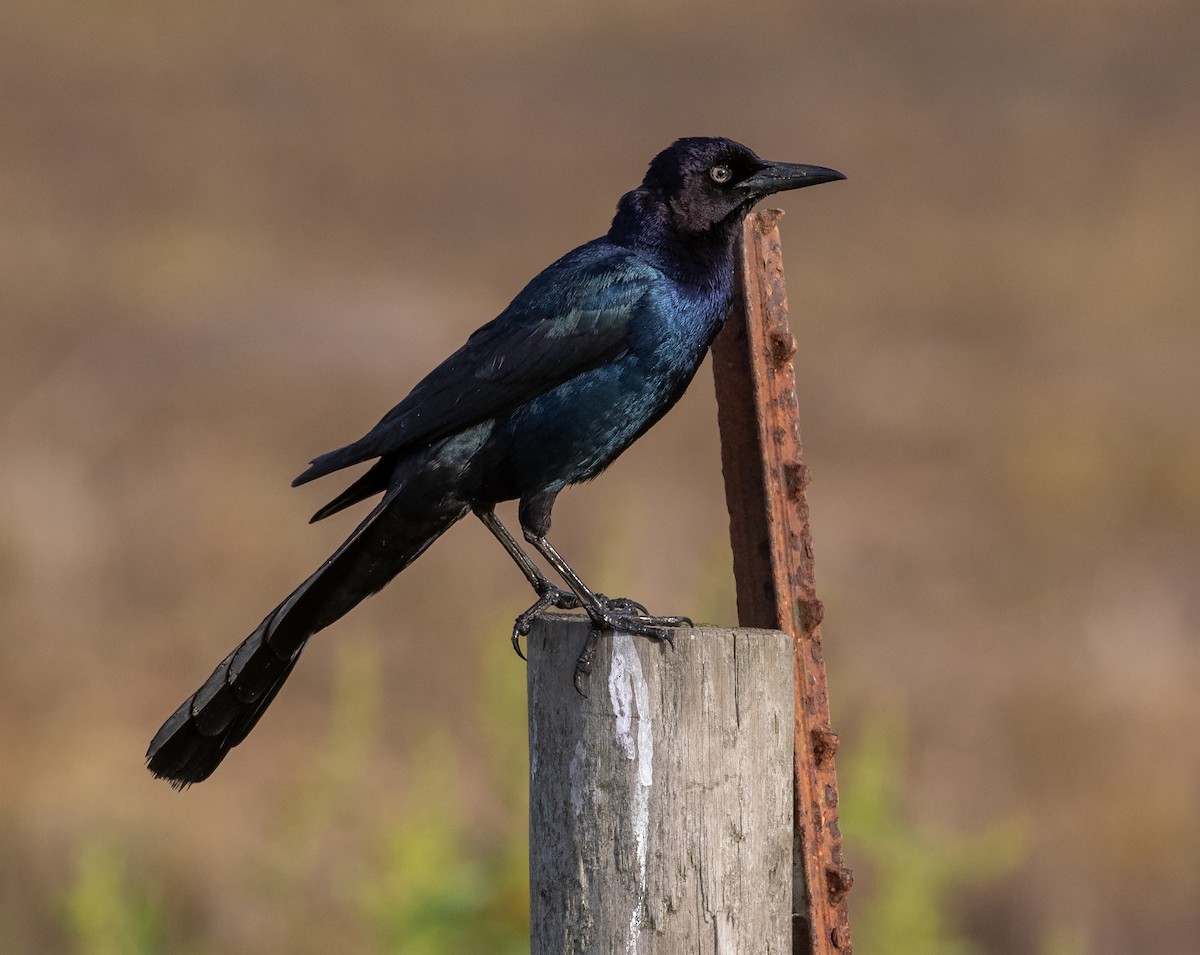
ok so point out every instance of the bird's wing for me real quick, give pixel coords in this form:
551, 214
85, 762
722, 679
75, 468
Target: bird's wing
571, 318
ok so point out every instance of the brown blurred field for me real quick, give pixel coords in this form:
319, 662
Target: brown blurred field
232, 235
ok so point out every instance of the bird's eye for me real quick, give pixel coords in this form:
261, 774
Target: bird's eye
721, 174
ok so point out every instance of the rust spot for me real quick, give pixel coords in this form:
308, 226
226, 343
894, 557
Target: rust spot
812, 612
768, 218
796, 477
783, 347
839, 879
824, 744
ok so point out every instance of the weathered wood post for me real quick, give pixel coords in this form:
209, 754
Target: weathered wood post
660, 806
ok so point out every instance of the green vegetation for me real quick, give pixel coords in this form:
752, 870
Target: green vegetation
914, 872
434, 887
421, 881
432, 890
110, 909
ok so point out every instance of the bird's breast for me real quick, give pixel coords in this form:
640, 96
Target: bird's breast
674, 333
577, 429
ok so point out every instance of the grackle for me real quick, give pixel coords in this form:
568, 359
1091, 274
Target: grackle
584, 360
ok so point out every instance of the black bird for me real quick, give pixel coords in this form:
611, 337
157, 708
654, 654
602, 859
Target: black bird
587, 357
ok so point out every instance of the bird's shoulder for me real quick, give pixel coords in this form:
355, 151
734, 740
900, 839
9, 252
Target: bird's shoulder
597, 275
571, 315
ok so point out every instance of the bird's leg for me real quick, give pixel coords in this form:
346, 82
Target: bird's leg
606, 613
620, 614
548, 595
609, 613
562, 599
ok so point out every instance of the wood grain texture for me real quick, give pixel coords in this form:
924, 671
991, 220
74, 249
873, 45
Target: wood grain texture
661, 805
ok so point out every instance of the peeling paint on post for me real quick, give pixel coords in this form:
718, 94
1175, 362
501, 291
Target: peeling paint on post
660, 808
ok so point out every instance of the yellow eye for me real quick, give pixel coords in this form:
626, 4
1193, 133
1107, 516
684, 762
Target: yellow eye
721, 174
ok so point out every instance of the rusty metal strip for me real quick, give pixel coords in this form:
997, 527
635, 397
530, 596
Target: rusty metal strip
765, 480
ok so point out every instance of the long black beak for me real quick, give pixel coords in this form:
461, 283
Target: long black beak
782, 176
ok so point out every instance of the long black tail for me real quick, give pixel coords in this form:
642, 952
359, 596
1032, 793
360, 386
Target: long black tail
219, 715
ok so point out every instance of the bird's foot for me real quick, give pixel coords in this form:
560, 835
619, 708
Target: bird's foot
622, 615
628, 616
623, 605
548, 596
583, 666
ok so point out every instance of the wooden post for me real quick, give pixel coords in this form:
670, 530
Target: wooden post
762, 459
660, 806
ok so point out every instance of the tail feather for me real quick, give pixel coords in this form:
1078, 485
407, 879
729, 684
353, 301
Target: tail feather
372, 482
196, 737
361, 450
220, 714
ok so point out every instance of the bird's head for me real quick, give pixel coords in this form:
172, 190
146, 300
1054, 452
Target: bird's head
705, 181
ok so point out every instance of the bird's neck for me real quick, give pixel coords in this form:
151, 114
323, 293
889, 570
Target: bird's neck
700, 259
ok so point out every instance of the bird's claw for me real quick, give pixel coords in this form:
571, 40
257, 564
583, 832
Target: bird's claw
652, 627
583, 666
629, 616
516, 642
628, 609
622, 615
619, 614
624, 605
548, 596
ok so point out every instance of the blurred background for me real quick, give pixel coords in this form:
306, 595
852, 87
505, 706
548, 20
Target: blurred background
232, 235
